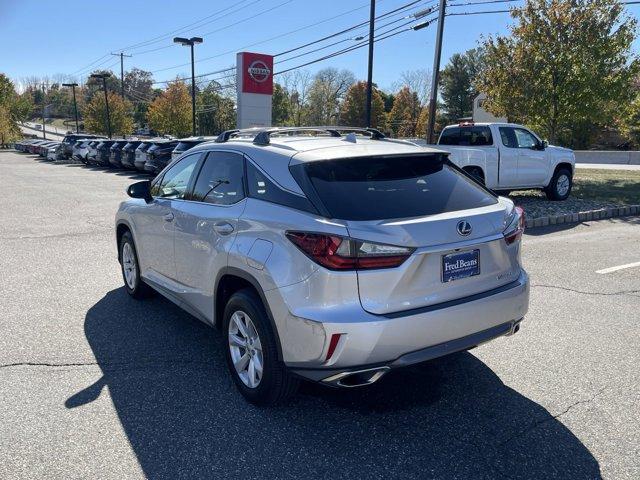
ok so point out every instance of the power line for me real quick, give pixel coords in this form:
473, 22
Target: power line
224, 28
381, 37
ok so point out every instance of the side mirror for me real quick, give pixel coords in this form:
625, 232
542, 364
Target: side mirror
545, 144
140, 190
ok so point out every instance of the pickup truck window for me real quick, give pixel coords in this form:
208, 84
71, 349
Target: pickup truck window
466, 136
517, 137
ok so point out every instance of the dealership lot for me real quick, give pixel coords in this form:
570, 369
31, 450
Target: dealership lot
97, 385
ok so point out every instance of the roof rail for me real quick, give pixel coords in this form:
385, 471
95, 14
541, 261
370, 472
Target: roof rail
263, 136
224, 136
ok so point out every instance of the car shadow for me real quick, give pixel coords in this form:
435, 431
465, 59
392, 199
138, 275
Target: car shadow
453, 417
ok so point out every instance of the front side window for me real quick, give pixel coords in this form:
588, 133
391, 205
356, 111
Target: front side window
525, 138
394, 187
220, 179
175, 181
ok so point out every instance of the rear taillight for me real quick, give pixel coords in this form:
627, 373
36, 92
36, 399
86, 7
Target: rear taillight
340, 253
515, 229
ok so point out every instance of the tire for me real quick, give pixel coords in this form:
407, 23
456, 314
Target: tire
130, 267
560, 185
275, 384
476, 174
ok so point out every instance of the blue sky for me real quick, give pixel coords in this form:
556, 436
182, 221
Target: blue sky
65, 36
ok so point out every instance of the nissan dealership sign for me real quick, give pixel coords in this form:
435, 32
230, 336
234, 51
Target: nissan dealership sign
254, 72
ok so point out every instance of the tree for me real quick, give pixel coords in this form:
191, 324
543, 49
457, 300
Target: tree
403, 117
281, 106
353, 109
171, 111
566, 63
216, 113
327, 90
458, 83
12, 110
95, 115
138, 89
95, 85
297, 83
631, 122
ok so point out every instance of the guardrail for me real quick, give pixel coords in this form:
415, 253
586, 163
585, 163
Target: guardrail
612, 157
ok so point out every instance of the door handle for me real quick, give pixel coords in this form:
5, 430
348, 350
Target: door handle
223, 228
168, 217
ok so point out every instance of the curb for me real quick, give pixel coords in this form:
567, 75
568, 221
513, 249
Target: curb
611, 212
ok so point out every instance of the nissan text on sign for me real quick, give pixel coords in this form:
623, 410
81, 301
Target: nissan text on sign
254, 74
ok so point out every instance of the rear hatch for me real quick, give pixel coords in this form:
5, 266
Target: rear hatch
454, 226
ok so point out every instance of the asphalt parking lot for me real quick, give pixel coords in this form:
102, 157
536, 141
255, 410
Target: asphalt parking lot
96, 385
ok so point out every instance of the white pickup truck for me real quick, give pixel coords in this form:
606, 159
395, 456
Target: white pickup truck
506, 156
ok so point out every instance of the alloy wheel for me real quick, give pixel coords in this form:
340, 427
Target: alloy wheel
246, 349
563, 185
129, 265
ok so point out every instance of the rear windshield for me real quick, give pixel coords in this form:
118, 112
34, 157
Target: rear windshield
377, 188
466, 136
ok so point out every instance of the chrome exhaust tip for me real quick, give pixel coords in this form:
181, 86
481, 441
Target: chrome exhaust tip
515, 327
357, 378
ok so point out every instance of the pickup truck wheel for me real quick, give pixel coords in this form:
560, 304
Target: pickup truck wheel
560, 185
251, 351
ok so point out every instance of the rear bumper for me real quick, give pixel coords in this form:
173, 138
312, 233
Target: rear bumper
406, 338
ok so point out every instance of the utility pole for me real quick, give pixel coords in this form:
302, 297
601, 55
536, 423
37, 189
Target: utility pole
436, 71
121, 55
372, 18
104, 76
75, 104
44, 125
191, 42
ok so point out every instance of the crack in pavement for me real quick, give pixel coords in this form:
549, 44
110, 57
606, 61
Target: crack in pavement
606, 294
110, 366
534, 425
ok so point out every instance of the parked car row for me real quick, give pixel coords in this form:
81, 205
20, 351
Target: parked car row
150, 155
49, 149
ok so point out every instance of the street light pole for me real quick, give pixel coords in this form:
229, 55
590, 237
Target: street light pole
191, 42
75, 104
104, 76
436, 72
372, 18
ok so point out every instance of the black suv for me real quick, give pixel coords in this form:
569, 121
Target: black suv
159, 155
128, 155
188, 143
103, 150
115, 152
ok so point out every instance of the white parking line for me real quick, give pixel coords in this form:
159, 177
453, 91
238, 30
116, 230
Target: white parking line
619, 267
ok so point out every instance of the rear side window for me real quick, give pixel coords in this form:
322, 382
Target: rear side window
220, 179
470, 136
378, 188
450, 136
262, 188
475, 136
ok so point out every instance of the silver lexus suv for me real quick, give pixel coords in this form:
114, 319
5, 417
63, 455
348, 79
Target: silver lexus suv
331, 254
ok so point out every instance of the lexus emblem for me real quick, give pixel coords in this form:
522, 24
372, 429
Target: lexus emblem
259, 71
464, 228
